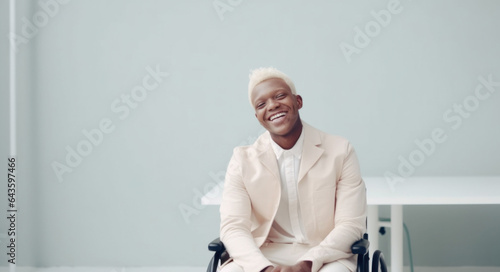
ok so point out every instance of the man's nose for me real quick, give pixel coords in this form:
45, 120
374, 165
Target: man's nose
274, 104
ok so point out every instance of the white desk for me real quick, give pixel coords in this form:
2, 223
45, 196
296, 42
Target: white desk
413, 191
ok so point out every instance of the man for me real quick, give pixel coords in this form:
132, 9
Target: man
295, 199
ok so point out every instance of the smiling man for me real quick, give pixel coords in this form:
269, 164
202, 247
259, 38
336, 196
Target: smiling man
295, 199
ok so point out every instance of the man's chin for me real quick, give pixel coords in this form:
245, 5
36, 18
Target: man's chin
280, 131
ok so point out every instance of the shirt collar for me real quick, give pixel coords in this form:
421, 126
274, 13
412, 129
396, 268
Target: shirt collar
296, 150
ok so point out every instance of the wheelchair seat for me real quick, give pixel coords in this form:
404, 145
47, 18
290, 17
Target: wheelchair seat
359, 248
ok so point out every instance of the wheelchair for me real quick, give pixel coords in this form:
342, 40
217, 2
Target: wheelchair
359, 248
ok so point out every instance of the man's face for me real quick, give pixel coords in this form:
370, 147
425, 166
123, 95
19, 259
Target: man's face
276, 108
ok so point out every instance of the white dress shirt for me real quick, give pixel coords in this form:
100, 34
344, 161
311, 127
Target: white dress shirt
287, 226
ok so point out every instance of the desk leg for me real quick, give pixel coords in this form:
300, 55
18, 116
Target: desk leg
372, 229
396, 238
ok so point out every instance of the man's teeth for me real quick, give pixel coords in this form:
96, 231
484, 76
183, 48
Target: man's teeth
277, 116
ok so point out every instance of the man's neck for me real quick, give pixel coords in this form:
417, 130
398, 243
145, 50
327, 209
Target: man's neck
288, 141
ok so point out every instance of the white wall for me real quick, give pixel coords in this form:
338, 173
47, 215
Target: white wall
121, 204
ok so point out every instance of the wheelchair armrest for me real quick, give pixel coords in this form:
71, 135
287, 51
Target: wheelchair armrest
361, 246
219, 255
216, 245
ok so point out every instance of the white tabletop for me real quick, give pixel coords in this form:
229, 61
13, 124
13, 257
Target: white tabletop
417, 191
434, 190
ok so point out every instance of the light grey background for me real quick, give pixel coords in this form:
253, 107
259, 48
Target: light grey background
122, 206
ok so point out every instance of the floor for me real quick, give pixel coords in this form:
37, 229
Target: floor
202, 269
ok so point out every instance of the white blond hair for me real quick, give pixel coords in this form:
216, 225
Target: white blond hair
264, 73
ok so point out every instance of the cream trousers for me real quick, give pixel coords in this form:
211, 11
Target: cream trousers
286, 254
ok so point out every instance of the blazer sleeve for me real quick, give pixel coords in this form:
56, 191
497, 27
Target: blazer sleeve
236, 212
350, 216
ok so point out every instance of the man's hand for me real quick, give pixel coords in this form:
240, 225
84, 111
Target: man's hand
304, 266
267, 269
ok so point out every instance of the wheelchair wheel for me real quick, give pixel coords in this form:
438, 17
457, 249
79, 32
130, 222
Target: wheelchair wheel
378, 262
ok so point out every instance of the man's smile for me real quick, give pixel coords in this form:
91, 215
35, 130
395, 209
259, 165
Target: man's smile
277, 116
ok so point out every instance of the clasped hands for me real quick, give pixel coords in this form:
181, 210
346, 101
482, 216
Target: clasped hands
304, 266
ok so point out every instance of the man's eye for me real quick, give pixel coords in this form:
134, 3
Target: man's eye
280, 96
260, 105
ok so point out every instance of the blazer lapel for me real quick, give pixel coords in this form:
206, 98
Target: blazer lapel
267, 157
311, 151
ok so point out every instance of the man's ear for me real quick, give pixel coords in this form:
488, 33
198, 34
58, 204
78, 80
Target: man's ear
299, 101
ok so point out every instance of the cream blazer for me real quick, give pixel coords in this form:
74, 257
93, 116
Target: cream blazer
331, 192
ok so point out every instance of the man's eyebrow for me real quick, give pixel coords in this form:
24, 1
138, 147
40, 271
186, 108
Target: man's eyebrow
280, 89
274, 90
